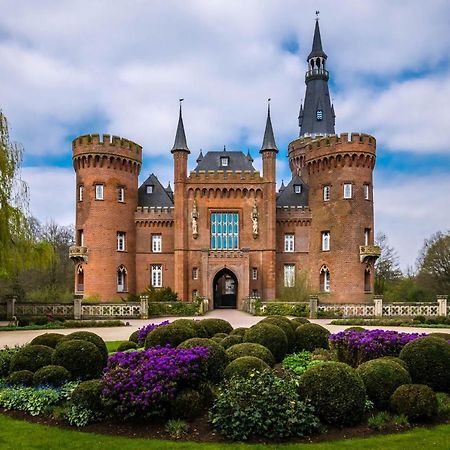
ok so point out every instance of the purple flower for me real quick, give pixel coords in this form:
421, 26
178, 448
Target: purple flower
143, 331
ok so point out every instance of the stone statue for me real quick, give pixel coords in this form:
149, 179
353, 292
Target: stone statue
255, 225
194, 216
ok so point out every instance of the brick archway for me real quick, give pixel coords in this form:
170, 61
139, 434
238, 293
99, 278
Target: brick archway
225, 289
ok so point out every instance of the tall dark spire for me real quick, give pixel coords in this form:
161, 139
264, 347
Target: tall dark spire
180, 138
316, 114
269, 138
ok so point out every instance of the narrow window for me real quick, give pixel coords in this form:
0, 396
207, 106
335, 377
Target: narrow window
366, 236
149, 189
255, 293
120, 194
319, 114
326, 193
367, 281
254, 273
347, 190
298, 188
289, 243
121, 279
157, 275
121, 241
224, 161
289, 275
156, 243
324, 279
80, 238
195, 273
80, 279
99, 192
366, 192
80, 192
194, 294
325, 241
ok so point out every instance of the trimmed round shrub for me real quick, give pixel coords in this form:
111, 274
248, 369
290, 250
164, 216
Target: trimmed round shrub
286, 325
134, 336
220, 335
31, 357
241, 367
239, 331
51, 375
81, 358
394, 359
231, 340
280, 319
250, 349
381, 378
187, 404
214, 326
217, 358
428, 361
88, 394
323, 354
297, 321
126, 345
217, 339
336, 391
271, 336
196, 325
357, 329
92, 338
445, 336
416, 401
311, 336
173, 334
47, 339
21, 378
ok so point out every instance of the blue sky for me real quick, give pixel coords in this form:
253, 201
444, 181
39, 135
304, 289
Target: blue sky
70, 68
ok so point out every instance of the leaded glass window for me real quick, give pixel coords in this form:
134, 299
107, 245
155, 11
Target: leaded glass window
224, 231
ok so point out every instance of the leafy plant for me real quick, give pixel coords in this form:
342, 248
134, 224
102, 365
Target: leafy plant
299, 362
379, 421
177, 428
79, 416
443, 400
6, 354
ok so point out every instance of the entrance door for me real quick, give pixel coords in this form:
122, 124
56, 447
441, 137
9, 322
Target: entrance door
225, 288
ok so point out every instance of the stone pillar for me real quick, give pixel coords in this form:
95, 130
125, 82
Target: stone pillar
144, 306
77, 311
313, 306
378, 302
442, 304
10, 307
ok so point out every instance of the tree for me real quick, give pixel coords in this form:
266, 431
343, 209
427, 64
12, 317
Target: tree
387, 268
18, 249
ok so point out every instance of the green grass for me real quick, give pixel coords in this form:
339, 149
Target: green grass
112, 345
21, 435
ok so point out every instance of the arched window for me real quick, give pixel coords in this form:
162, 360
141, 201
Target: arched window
324, 279
367, 287
80, 278
121, 279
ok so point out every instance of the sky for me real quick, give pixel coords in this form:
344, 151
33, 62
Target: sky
108, 66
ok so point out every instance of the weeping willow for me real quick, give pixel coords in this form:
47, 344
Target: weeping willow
19, 250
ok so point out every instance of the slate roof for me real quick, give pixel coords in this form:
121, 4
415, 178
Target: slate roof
160, 197
288, 197
180, 137
317, 44
236, 161
269, 138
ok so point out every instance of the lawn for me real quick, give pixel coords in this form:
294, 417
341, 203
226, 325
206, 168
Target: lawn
112, 345
17, 435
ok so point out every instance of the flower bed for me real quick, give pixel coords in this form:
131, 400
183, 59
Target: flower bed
143, 331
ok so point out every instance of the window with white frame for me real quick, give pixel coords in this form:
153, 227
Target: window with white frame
298, 188
289, 242
156, 243
324, 279
319, 114
347, 190
366, 236
224, 161
121, 279
254, 273
120, 194
156, 275
289, 275
99, 191
326, 193
121, 236
195, 273
366, 192
325, 241
149, 188
80, 192
224, 230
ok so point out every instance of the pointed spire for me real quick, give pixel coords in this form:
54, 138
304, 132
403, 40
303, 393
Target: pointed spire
317, 49
300, 114
282, 187
169, 188
249, 157
200, 156
269, 138
180, 138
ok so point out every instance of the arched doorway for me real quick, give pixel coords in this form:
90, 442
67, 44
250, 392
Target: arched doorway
225, 288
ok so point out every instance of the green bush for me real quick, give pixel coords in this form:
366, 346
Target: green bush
445, 336
284, 309
81, 358
89, 337
299, 362
21, 378
208, 391
357, 329
443, 401
239, 331
177, 428
323, 354
336, 391
93, 323
416, 401
31, 357
6, 355
173, 334
88, 395
217, 358
381, 378
134, 337
428, 361
126, 345
311, 336
395, 359
51, 376
173, 309
196, 325
164, 294
261, 405
187, 404
47, 339
271, 336
250, 349
231, 340
214, 326
286, 325
297, 321
217, 339
241, 367
220, 335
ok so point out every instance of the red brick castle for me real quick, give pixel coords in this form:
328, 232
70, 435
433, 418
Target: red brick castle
224, 232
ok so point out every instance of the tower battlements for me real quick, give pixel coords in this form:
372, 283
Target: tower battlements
225, 176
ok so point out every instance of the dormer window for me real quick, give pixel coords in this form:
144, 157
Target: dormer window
319, 114
224, 161
298, 188
150, 189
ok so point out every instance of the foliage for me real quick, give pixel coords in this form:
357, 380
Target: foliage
270, 336
21, 378
383, 420
187, 404
251, 349
93, 323
134, 337
394, 359
173, 334
261, 405
285, 324
297, 321
214, 326
31, 357
284, 309
443, 401
407, 289
243, 366
6, 355
176, 428
163, 294
126, 345
231, 340
429, 322
88, 395
298, 363
174, 309
299, 293
81, 358
89, 337
381, 378
79, 416
323, 354
143, 331
220, 335
47, 339
311, 336
144, 383
240, 331
51, 376
387, 267
336, 391
428, 361
416, 401
354, 347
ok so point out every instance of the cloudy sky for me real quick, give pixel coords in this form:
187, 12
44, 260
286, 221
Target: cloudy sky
80, 66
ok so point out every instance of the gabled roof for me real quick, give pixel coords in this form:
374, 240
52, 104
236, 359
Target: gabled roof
236, 161
288, 197
160, 197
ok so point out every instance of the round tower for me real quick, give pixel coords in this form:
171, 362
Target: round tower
107, 172
338, 171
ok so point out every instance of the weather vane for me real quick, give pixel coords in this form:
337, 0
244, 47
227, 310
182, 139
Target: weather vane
317, 15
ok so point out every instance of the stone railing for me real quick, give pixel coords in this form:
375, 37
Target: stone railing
347, 310
111, 311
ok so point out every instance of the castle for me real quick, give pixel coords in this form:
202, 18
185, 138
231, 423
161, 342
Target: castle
224, 232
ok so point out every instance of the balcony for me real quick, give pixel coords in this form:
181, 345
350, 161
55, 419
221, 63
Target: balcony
369, 253
77, 253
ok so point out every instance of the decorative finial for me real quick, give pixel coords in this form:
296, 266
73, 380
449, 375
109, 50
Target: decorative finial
317, 15
224, 148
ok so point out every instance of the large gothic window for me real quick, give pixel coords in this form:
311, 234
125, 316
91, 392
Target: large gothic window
224, 230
